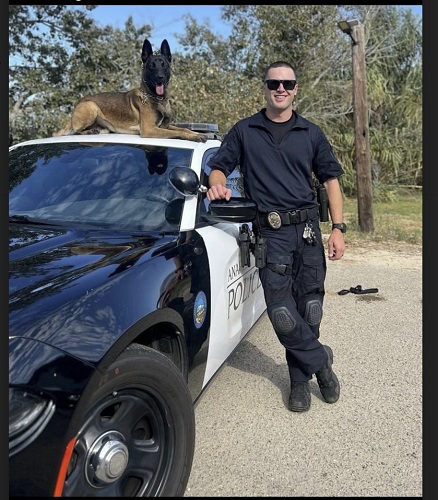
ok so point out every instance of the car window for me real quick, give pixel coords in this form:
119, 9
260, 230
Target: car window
108, 185
234, 180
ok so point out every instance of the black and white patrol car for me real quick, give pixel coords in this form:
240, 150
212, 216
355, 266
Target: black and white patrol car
126, 295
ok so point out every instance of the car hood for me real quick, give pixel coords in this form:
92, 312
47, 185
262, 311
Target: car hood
52, 266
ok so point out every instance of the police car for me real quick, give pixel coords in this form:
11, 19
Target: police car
127, 293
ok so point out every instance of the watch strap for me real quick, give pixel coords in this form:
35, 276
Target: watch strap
340, 225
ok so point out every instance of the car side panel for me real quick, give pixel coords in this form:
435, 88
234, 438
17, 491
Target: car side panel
237, 299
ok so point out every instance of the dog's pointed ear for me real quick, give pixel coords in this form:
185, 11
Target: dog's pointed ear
146, 51
165, 50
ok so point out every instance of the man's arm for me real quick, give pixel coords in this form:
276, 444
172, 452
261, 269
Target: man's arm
336, 242
217, 181
336, 202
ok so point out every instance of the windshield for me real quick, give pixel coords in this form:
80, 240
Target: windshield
108, 185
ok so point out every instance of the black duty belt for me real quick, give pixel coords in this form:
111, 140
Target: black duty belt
277, 219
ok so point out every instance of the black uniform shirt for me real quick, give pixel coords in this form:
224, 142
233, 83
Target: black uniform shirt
277, 176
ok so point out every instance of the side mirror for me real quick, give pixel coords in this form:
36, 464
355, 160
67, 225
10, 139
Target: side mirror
186, 181
237, 209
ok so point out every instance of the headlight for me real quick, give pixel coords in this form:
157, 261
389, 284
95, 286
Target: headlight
28, 416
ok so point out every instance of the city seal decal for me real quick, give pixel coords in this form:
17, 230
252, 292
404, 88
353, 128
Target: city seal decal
200, 309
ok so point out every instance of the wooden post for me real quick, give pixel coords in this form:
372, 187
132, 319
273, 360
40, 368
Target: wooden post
361, 131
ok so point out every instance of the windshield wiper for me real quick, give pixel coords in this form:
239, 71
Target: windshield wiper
26, 219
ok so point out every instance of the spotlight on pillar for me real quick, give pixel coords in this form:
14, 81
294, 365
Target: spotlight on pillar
347, 27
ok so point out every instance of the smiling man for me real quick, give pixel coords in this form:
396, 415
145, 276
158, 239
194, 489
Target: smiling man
279, 152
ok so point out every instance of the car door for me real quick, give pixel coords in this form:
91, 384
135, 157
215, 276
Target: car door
237, 299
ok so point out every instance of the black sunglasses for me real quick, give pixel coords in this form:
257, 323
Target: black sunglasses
287, 84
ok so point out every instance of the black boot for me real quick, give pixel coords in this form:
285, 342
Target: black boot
299, 399
327, 380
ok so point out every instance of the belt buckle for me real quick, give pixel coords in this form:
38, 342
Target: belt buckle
274, 220
294, 216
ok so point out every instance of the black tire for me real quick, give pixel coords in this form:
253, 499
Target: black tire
137, 434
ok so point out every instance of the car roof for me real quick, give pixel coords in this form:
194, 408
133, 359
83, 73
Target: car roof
122, 139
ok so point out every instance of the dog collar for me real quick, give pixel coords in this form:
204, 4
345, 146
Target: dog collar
145, 96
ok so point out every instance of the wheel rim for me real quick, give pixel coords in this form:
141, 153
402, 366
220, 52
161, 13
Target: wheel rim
107, 459
124, 448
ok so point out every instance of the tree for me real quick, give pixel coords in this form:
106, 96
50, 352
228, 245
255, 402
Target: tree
58, 55
395, 95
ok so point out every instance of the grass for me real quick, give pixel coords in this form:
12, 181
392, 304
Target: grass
397, 221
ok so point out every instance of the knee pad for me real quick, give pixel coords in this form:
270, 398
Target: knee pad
313, 312
282, 319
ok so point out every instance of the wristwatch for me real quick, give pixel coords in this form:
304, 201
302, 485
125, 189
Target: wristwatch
341, 226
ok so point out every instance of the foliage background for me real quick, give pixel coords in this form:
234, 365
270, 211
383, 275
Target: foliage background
58, 54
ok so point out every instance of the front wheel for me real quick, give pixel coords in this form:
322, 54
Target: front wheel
137, 434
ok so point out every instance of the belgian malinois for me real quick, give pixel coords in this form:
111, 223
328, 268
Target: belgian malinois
144, 110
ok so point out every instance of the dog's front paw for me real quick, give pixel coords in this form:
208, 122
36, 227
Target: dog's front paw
201, 137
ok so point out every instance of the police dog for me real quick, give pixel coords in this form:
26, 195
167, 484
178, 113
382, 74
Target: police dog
144, 110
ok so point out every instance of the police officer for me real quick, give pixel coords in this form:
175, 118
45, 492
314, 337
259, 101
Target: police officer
277, 151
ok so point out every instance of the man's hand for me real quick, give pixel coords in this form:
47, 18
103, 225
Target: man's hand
336, 245
218, 192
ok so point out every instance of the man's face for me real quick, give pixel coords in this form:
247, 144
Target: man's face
280, 98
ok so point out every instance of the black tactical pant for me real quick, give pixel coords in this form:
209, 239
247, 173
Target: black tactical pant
294, 301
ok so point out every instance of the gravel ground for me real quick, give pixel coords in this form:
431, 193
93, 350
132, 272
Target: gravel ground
367, 444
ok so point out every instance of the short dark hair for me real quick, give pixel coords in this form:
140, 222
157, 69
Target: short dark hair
279, 64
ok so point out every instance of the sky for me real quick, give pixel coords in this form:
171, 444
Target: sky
168, 20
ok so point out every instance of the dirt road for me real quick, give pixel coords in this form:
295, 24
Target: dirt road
367, 444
